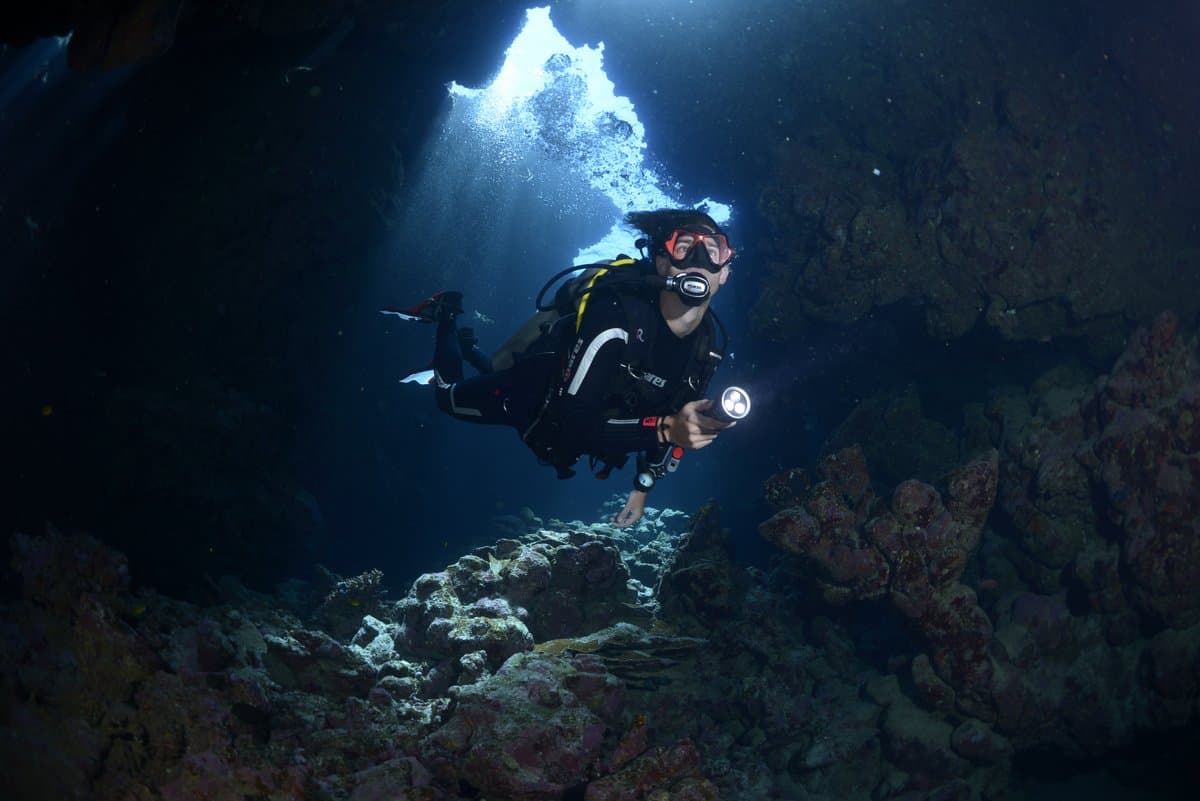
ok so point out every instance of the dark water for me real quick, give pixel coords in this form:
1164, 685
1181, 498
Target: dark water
193, 251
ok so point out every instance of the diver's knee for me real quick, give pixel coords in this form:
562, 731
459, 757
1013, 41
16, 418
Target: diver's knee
442, 395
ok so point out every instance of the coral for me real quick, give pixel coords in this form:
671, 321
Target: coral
824, 526
244, 699
530, 731
1104, 484
1144, 423
661, 768
348, 599
533, 669
505, 597
644, 659
914, 554
143, 697
1084, 592
701, 581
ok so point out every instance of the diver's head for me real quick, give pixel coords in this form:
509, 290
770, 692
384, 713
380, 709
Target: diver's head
687, 238
684, 240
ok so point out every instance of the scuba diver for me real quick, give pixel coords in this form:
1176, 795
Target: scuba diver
619, 363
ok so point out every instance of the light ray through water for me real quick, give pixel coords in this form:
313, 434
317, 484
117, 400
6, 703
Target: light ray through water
547, 150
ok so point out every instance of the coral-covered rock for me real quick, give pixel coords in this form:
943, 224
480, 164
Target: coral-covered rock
786, 488
503, 598
347, 600
144, 697
826, 529
974, 740
931, 691
400, 779
701, 582
915, 554
644, 659
438, 623
1174, 665
1146, 456
656, 771
921, 745
1121, 454
530, 731
315, 662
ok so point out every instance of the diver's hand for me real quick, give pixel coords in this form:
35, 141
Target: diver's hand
632, 511
691, 428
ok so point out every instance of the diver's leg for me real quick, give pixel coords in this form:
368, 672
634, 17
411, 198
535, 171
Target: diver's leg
447, 356
468, 346
482, 399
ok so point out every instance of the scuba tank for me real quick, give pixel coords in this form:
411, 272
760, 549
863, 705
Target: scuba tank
623, 274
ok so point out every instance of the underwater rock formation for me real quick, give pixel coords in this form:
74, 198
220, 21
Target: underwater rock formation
348, 600
646, 548
531, 730
913, 553
973, 187
108, 33
1073, 630
139, 696
537, 669
504, 597
1101, 487
701, 585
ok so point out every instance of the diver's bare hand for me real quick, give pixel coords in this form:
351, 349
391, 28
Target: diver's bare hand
691, 428
632, 511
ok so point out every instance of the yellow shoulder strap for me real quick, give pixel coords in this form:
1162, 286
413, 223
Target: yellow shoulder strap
588, 292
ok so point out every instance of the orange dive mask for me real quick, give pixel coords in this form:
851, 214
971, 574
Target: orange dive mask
681, 247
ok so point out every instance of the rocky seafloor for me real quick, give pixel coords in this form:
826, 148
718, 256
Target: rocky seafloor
911, 642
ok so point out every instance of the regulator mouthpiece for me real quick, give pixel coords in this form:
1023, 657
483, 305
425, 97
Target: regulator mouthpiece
692, 287
734, 404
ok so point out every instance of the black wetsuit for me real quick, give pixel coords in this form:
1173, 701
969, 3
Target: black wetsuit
596, 413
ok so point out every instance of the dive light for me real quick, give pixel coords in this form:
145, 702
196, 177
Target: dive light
734, 404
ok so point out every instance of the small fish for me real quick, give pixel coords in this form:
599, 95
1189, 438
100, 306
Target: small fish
483, 318
32, 225
287, 76
356, 602
47, 410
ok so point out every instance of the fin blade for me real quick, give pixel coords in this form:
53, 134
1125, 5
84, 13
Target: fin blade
418, 377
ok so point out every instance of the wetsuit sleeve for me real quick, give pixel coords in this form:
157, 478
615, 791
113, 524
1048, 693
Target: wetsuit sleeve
592, 361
